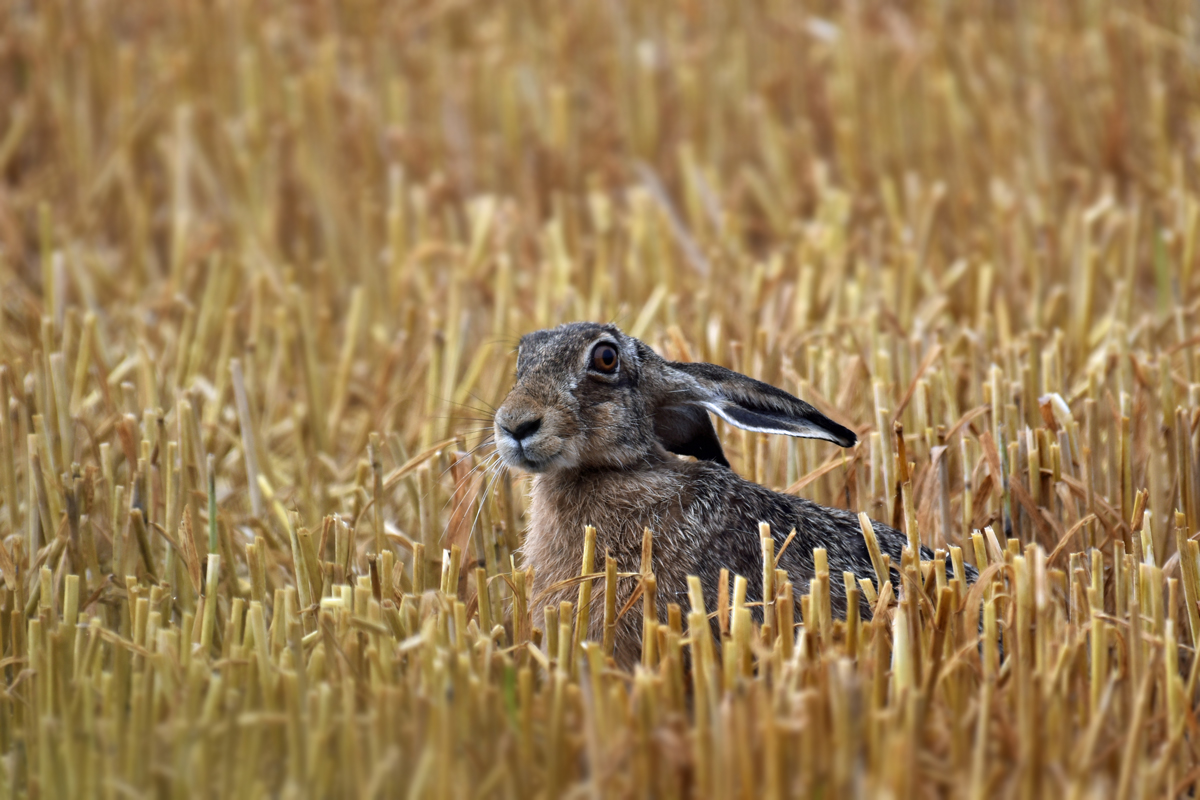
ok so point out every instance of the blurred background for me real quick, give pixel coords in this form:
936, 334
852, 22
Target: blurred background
400, 190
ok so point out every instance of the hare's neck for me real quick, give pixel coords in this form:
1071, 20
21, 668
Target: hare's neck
617, 503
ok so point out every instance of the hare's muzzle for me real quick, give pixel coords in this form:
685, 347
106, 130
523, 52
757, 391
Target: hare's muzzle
524, 442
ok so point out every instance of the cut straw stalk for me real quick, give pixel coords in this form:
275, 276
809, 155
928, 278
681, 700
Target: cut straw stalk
247, 430
585, 588
8, 469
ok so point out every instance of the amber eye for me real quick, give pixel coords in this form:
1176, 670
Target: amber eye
604, 358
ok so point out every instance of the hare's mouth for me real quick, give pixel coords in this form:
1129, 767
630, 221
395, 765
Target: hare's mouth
535, 464
530, 465
529, 457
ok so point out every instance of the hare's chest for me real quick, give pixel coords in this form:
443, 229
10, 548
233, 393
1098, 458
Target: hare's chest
555, 534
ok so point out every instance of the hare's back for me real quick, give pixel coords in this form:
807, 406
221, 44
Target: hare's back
739, 506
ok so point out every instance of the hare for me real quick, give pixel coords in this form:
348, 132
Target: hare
601, 421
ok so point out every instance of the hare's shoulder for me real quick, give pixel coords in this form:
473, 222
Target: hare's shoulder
734, 508
720, 494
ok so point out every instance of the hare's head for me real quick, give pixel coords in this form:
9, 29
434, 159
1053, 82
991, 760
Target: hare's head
588, 396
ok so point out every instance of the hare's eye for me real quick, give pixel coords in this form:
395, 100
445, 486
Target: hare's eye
604, 358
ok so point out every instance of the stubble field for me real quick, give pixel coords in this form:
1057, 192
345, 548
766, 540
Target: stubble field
263, 266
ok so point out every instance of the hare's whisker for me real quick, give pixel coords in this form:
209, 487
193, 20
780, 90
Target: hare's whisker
483, 496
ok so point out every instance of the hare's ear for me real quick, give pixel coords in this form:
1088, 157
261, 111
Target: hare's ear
688, 431
746, 403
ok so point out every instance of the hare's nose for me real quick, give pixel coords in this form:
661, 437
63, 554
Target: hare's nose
524, 429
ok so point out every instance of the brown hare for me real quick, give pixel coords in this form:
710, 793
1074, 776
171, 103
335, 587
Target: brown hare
600, 419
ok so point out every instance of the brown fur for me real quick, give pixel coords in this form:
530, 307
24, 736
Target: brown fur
604, 449
619, 504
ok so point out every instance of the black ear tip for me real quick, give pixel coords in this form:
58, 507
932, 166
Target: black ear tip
845, 436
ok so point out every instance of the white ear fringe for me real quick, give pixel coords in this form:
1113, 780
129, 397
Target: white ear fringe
803, 428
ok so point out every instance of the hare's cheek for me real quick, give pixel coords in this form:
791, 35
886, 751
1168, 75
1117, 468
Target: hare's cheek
605, 416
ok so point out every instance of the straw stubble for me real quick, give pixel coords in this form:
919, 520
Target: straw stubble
258, 304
